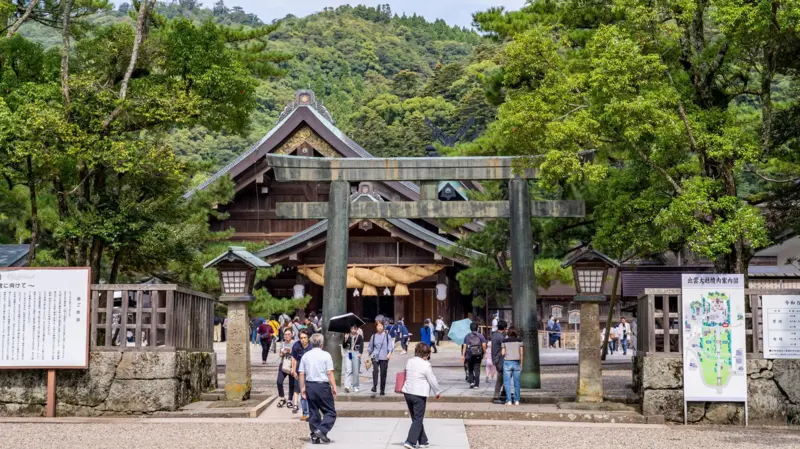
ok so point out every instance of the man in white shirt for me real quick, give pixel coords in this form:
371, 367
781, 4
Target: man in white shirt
318, 387
440, 328
624, 334
494, 323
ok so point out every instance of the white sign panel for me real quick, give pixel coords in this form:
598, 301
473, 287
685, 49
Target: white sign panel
781, 326
44, 318
714, 339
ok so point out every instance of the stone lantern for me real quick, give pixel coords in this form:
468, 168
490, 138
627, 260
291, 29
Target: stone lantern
589, 270
237, 272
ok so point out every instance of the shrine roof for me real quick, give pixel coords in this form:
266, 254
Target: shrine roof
13, 255
321, 228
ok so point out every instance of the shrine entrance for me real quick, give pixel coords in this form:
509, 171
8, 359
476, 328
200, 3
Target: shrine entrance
339, 211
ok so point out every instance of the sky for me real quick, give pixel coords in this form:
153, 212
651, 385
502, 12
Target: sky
454, 12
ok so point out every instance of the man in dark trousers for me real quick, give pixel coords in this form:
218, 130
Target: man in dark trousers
497, 358
472, 352
318, 387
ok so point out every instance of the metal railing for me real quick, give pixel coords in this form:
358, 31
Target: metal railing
658, 320
150, 317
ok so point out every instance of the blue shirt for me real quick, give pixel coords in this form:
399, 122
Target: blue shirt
380, 346
298, 351
315, 364
425, 335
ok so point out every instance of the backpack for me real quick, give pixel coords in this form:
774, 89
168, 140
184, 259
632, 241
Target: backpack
393, 331
474, 345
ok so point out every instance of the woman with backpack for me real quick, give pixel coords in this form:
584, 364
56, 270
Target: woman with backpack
264, 333
380, 352
285, 368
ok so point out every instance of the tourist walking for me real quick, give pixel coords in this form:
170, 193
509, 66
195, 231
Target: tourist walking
555, 334
265, 333
276, 333
440, 328
402, 333
380, 352
354, 347
612, 339
217, 329
254, 323
434, 340
318, 388
420, 380
300, 348
497, 359
495, 321
472, 352
512, 365
311, 325
285, 368
624, 334
425, 334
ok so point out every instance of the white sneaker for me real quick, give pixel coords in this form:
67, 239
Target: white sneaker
356, 389
516, 403
508, 403
347, 389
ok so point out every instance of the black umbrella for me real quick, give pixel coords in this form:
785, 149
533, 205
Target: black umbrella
343, 323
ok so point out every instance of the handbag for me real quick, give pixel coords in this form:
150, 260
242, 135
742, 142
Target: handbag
286, 364
399, 381
368, 364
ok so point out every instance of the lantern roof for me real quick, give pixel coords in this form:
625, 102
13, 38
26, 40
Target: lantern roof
589, 255
238, 253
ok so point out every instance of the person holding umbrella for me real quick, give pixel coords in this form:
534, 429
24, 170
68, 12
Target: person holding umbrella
354, 348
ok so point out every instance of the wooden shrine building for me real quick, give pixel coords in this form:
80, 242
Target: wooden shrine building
394, 266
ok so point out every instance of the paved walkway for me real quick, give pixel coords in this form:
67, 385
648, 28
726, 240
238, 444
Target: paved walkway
558, 380
390, 433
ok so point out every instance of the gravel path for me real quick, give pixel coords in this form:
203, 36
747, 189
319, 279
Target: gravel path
492, 437
154, 436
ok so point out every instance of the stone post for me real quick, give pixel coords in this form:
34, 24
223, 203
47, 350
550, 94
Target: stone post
238, 377
336, 248
590, 374
523, 281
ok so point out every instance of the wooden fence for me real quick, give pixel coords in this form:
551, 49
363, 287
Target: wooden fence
150, 317
659, 321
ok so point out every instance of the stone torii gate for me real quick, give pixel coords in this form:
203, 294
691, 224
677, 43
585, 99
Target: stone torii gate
428, 171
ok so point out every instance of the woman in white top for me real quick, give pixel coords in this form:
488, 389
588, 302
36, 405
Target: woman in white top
419, 383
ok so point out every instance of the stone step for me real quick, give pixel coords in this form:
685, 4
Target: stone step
494, 412
220, 408
462, 399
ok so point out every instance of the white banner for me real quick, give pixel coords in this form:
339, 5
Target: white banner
714, 339
781, 326
44, 317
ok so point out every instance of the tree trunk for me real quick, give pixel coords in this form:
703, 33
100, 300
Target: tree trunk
34, 212
15, 27
141, 22
65, 54
112, 277
610, 315
63, 213
96, 259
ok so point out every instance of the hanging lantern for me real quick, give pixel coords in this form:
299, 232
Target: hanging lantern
356, 294
299, 291
441, 292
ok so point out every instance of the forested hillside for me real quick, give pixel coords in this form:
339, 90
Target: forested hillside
379, 74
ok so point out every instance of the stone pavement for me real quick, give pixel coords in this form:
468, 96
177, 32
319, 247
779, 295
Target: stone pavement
390, 433
559, 377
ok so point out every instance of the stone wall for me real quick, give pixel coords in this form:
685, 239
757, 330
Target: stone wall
773, 392
116, 383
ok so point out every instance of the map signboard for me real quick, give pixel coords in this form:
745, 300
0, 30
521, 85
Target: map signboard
781, 326
44, 318
714, 339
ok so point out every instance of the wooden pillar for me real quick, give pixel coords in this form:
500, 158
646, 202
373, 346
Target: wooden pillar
399, 307
523, 281
336, 249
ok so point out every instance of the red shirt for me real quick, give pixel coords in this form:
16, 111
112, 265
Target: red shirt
265, 329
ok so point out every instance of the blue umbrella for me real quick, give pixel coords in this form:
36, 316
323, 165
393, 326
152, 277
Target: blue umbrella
459, 330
